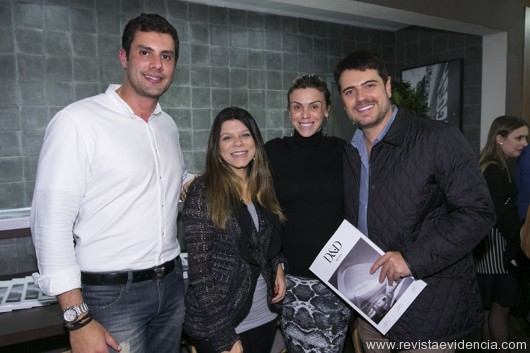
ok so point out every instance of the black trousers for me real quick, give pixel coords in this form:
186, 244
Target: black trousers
256, 340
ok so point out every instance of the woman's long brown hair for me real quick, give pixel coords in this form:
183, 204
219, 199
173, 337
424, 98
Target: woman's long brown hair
223, 185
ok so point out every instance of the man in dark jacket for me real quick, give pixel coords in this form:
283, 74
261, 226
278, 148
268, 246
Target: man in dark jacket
414, 187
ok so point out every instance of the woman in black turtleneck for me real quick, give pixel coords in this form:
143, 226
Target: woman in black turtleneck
307, 173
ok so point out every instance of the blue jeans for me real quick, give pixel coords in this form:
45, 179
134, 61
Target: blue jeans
143, 317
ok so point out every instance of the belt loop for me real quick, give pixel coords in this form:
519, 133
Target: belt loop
129, 279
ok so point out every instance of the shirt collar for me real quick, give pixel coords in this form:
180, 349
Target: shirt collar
111, 90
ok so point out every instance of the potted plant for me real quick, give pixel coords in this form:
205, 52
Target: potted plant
405, 96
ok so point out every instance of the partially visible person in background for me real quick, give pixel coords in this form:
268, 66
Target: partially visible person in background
307, 172
104, 211
231, 222
497, 258
522, 180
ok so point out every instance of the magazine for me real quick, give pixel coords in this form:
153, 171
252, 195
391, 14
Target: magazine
344, 265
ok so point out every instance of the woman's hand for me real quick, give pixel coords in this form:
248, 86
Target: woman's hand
279, 285
236, 348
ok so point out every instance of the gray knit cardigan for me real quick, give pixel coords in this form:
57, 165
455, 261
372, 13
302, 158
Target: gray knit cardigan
224, 266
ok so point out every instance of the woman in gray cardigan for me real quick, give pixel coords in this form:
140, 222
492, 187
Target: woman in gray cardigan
231, 224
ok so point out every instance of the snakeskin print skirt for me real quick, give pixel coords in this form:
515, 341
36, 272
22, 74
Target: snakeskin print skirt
314, 319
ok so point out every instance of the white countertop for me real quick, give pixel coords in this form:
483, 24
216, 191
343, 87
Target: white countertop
16, 218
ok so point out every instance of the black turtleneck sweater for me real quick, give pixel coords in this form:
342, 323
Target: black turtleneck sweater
308, 180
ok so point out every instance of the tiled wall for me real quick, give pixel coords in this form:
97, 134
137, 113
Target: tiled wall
53, 52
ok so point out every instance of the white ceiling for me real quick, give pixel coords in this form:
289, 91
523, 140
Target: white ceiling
350, 12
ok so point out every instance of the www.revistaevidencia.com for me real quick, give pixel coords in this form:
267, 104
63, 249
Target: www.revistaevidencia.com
464, 345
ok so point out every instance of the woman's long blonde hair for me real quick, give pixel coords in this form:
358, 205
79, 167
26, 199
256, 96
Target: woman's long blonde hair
492, 152
223, 185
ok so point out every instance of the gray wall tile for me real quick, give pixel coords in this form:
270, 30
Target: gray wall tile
199, 33
86, 70
29, 40
32, 142
155, 6
200, 97
83, 20
11, 143
57, 18
12, 196
175, 9
59, 68
6, 9
238, 37
200, 76
9, 119
34, 117
256, 99
200, 54
257, 79
56, 43
220, 77
84, 90
219, 35
28, 15
87, 4
30, 168
7, 42
238, 78
11, 169
200, 139
220, 97
256, 59
198, 12
273, 41
219, 16
107, 5
202, 119
182, 117
84, 44
108, 23
59, 93
256, 39
256, 20
237, 18
7, 66
239, 97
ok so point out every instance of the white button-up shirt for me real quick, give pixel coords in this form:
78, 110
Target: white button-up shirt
110, 181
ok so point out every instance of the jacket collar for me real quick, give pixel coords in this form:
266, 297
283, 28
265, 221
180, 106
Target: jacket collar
398, 130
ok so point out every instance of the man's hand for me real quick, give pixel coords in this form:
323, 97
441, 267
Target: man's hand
93, 338
394, 267
186, 186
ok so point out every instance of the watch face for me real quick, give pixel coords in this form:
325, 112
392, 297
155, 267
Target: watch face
69, 315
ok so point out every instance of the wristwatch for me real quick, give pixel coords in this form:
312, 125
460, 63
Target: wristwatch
71, 313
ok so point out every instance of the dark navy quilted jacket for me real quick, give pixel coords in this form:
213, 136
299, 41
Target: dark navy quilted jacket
427, 199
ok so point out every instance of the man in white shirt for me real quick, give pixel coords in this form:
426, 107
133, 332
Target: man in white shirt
104, 209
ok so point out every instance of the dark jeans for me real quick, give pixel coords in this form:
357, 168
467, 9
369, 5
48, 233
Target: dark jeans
143, 317
256, 340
